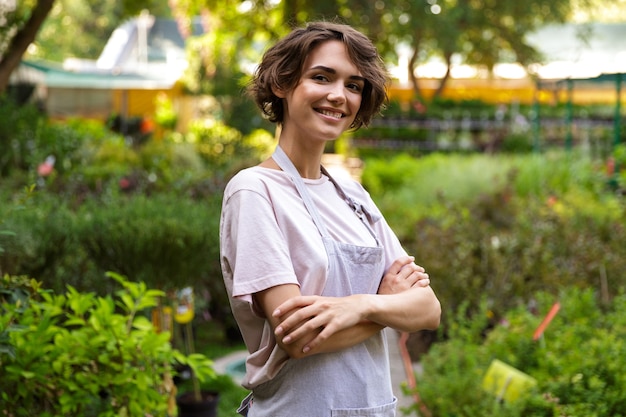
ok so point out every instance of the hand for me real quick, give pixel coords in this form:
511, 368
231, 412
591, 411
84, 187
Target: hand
402, 275
318, 316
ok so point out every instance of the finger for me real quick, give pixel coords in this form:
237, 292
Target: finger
294, 321
318, 340
292, 304
425, 282
400, 263
416, 268
304, 330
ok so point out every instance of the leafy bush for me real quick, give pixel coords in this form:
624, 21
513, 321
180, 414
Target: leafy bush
79, 354
619, 166
481, 229
27, 138
163, 240
224, 148
577, 363
18, 135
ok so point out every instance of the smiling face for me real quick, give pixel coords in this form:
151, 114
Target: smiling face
327, 97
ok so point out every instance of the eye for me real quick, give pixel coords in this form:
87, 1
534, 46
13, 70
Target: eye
320, 77
356, 87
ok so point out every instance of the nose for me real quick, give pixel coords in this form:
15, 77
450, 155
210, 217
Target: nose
336, 93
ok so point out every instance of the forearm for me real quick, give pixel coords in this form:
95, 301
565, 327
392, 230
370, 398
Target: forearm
415, 309
297, 347
341, 340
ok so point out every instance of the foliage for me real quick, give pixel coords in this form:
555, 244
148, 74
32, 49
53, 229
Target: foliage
577, 363
409, 188
87, 159
503, 230
77, 28
80, 354
4, 215
230, 393
619, 166
478, 33
18, 131
42, 242
218, 145
217, 67
28, 138
165, 115
78, 225
163, 240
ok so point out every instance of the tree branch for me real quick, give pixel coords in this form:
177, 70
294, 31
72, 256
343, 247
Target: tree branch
22, 39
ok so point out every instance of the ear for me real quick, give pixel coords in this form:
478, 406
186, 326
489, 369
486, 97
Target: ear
278, 92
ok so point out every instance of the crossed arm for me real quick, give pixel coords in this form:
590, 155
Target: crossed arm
306, 325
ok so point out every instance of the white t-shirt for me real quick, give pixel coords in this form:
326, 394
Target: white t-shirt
267, 238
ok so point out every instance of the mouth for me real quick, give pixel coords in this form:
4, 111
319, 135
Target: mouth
334, 114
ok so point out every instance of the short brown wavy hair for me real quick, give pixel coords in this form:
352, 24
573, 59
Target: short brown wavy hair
281, 68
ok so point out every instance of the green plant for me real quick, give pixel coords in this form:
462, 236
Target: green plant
163, 240
577, 362
43, 237
80, 354
224, 148
165, 114
18, 134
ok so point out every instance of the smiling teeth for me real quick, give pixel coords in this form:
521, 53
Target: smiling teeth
331, 114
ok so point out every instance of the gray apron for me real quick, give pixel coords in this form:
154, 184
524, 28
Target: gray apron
352, 382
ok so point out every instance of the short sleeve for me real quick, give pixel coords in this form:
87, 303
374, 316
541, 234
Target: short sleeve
253, 247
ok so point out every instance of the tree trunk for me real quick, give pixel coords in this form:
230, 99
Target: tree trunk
22, 39
417, 92
444, 80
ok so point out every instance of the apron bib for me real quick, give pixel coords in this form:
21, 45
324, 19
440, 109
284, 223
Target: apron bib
352, 382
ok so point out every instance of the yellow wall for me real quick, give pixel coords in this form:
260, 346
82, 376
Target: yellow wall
506, 91
139, 102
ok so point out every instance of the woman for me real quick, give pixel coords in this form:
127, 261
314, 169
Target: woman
313, 271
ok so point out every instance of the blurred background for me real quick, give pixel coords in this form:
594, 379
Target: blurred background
499, 161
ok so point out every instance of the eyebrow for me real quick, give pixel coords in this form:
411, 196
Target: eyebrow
333, 71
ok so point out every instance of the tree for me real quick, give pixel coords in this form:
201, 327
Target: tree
78, 28
20, 31
478, 32
63, 28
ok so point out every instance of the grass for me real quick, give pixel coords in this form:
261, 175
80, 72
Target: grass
407, 189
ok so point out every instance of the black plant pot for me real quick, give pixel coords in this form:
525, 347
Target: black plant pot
189, 407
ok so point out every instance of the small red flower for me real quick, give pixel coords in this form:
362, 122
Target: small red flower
610, 166
124, 183
46, 167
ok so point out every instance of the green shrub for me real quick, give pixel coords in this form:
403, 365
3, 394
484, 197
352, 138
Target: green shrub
18, 135
163, 240
79, 354
577, 363
503, 227
27, 138
216, 143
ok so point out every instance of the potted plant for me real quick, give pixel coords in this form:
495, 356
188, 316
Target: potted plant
195, 403
81, 354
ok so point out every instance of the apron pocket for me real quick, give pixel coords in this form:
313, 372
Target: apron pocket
387, 410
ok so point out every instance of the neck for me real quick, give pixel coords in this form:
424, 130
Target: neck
307, 160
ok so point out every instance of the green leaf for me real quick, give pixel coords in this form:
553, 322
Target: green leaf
142, 323
128, 301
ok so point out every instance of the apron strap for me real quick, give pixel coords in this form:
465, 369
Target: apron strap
361, 212
286, 165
